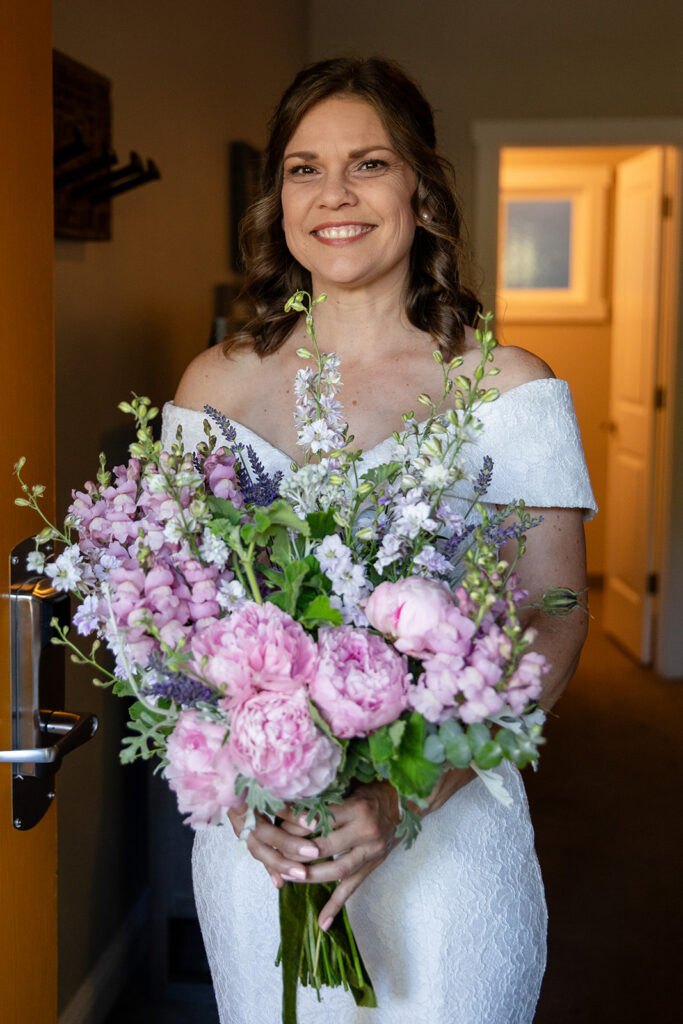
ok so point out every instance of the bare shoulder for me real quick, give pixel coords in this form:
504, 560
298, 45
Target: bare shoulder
212, 378
518, 366
515, 365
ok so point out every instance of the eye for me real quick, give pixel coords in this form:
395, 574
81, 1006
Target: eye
373, 165
300, 171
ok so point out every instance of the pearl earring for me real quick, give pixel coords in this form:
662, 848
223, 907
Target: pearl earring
425, 216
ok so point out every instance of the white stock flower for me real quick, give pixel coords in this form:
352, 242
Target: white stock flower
35, 561
214, 550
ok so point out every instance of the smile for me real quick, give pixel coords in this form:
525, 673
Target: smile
342, 231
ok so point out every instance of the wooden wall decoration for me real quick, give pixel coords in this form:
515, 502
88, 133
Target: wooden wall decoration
83, 150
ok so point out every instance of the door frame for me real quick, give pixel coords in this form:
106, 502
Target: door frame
489, 137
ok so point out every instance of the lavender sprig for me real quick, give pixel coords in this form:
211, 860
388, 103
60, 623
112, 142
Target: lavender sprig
178, 687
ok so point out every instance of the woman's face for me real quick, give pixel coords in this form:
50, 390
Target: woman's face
346, 198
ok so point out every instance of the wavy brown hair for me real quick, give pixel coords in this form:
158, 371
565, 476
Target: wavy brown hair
436, 300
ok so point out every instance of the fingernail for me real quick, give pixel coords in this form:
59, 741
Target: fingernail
298, 873
326, 924
309, 851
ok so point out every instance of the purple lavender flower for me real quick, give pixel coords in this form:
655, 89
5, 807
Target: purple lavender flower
261, 489
228, 431
177, 686
483, 481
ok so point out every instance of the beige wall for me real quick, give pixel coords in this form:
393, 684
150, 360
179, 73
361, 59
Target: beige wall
186, 79
487, 59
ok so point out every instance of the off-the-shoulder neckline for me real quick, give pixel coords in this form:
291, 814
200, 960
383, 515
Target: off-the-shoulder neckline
487, 406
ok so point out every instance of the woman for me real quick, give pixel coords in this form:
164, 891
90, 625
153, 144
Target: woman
356, 203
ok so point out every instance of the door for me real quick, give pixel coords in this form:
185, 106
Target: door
629, 576
28, 859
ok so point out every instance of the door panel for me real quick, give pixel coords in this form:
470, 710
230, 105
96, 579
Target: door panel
630, 478
28, 859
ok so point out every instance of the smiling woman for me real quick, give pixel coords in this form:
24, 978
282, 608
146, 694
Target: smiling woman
346, 204
356, 202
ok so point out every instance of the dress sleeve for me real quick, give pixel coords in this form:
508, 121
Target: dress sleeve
532, 435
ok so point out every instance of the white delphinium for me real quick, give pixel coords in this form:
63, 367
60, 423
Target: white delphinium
66, 572
35, 561
350, 586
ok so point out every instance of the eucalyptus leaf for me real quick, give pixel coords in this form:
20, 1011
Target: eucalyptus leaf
489, 755
434, 749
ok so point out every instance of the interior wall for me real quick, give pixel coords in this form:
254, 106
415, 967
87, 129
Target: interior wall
483, 59
187, 78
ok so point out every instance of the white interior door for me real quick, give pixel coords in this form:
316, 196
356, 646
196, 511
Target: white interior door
629, 577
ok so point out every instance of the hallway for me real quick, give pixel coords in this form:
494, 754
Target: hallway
606, 808
607, 811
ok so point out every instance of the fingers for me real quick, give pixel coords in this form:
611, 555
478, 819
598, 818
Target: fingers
341, 894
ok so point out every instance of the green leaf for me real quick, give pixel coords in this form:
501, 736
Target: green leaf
282, 514
458, 751
280, 551
223, 509
319, 610
320, 524
434, 749
477, 735
489, 755
381, 745
508, 743
379, 474
409, 770
396, 731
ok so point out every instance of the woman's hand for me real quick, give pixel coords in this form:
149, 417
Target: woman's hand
282, 852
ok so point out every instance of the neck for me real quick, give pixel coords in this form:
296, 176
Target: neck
362, 323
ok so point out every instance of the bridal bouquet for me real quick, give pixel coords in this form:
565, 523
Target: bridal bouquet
287, 637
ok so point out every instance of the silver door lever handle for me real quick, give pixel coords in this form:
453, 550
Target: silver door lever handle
72, 727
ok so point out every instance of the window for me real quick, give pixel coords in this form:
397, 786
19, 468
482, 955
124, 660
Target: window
552, 233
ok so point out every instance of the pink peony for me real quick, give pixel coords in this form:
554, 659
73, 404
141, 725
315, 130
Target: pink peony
361, 682
258, 647
275, 741
200, 770
407, 609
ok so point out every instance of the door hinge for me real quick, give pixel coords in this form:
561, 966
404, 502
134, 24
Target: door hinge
660, 395
667, 207
652, 583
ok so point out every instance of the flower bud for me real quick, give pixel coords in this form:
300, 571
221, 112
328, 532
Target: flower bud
364, 489
335, 479
365, 533
304, 353
489, 396
561, 601
424, 399
438, 358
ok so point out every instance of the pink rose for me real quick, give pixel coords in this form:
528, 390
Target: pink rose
361, 682
200, 770
275, 741
407, 609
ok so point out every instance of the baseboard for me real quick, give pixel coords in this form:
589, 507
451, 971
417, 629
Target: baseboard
98, 993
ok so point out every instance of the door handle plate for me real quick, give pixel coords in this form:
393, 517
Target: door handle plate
40, 737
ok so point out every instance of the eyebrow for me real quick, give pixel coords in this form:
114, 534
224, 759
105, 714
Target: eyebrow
355, 154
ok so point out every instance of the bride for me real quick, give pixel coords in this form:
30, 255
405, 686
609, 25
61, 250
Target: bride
357, 203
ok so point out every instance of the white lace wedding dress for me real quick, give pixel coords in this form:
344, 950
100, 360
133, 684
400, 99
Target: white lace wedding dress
453, 930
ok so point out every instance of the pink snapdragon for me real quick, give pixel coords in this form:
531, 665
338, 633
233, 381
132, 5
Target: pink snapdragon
275, 741
201, 771
219, 468
361, 683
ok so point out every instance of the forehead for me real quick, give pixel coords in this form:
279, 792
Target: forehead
344, 122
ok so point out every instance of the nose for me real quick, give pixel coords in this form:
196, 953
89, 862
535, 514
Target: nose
335, 191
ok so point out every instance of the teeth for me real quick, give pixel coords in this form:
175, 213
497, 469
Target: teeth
344, 231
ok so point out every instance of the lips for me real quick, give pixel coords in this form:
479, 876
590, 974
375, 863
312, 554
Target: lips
341, 232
